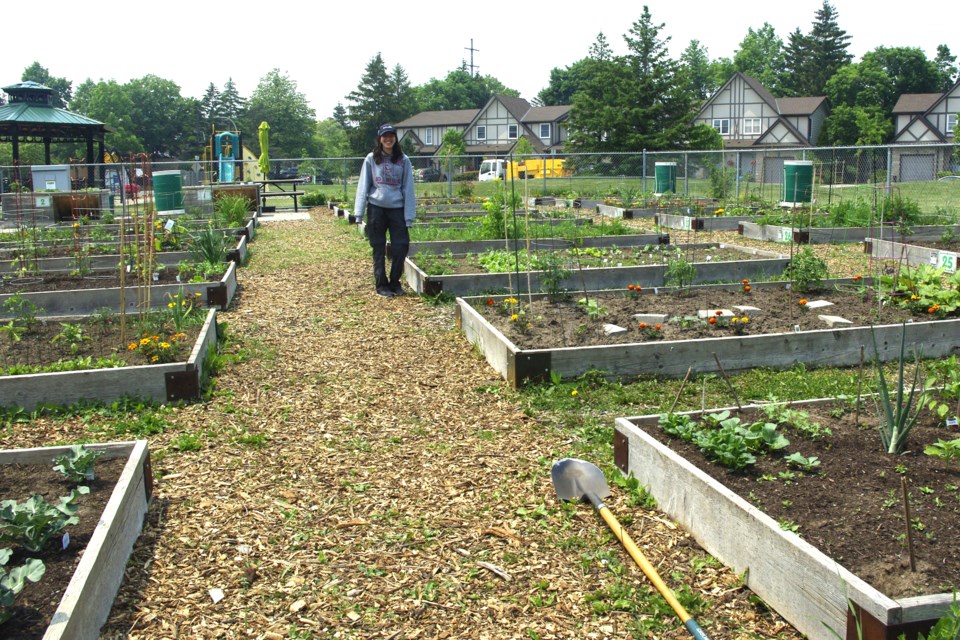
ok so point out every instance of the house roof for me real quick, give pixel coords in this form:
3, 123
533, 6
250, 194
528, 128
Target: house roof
440, 118
799, 106
547, 114
916, 102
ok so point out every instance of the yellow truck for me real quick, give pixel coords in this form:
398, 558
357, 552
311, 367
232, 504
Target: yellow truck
493, 169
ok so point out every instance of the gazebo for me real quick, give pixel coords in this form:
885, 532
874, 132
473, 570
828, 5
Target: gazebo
29, 116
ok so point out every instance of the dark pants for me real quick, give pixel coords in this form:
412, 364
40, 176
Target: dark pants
379, 221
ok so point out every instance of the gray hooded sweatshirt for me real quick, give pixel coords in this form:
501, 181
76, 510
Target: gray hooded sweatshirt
386, 185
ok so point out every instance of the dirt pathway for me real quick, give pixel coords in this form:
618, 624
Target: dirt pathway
363, 474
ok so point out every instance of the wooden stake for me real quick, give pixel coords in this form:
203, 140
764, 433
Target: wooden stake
679, 391
906, 513
727, 380
856, 420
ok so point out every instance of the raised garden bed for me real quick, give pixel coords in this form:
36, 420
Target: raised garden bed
755, 265
87, 596
158, 382
856, 515
617, 357
627, 214
106, 293
916, 252
55, 206
830, 235
700, 223
438, 247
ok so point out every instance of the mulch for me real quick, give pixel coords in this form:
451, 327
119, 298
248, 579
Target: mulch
400, 493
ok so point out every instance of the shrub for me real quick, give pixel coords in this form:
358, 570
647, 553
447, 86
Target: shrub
314, 199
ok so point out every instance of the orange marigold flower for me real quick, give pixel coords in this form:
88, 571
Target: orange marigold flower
131, 346
744, 281
712, 320
718, 312
657, 327
643, 325
934, 309
803, 301
746, 287
857, 278
630, 287
489, 302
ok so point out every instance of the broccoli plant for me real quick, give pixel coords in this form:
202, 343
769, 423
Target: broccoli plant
77, 465
34, 521
13, 581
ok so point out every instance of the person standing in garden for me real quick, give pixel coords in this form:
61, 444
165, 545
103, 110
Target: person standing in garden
385, 195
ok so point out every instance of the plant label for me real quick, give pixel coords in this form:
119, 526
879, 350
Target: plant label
952, 424
65, 541
169, 225
796, 328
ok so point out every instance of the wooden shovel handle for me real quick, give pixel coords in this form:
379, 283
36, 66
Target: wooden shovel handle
650, 572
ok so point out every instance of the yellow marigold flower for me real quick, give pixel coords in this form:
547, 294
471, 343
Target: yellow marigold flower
154, 358
745, 319
514, 318
574, 392
144, 341
734, 320
170, 305
914, 297
164, 345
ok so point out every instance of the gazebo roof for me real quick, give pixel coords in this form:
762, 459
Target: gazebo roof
30, 117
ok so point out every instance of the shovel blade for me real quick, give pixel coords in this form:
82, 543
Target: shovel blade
575, 479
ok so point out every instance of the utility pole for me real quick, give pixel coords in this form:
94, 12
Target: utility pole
473, 68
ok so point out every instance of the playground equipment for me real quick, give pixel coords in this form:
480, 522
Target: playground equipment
223, 157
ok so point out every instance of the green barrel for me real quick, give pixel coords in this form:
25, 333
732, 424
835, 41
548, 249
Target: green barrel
665, 178
797, 183
168, 190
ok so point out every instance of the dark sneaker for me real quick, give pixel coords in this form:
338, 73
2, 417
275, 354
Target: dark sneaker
385, 292
397, 289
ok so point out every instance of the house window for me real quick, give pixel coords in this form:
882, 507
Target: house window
545, 131
512, 131
951, 122
722, 125
751, 126
481, 132
428, 136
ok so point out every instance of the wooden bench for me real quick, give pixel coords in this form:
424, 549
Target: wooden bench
278, 194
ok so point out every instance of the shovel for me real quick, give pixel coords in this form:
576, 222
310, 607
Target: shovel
575, 479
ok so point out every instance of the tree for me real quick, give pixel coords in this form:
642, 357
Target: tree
860, 94
524, 147
292, 121
761, 56
62, 88
703, 137
210, 103
635, 102
110, 103
331, 141
565, 83
232, 105
945, 62
812, 59
695, 71
453, 145
340, 116
459, 90
908, 69
374, 102
162, 119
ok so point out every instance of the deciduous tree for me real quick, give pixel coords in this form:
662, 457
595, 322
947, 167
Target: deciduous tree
761, 56
62, 88
277, 101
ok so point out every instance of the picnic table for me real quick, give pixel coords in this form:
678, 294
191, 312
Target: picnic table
285, 188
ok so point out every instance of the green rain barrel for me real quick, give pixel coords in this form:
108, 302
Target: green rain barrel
797, 183
665, 178
168, 190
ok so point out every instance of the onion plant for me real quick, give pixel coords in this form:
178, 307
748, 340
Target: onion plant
898, 413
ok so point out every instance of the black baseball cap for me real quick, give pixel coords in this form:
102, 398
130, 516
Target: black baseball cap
385, 129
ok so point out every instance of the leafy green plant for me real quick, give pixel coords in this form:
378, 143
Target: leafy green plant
680, 272
802, 462
592, 308
553, 274
24, 311
34, 521
77, 464
180, 309
947, 627
313, 199
945, 449
209, 245
13, 581
807, 271
231, 210
898, 415
72, 335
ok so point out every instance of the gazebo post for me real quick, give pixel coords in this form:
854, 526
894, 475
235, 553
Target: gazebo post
90, 168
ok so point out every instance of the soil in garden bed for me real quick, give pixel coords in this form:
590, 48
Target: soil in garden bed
852, 508
34, 607
102, 337
544, 324
64, 282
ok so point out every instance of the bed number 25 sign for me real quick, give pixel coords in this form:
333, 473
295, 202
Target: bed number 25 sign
947, 261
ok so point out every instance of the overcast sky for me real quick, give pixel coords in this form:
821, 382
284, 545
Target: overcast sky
325, 46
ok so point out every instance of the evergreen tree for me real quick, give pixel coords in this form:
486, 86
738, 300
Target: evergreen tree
946, 66
340, 116
696, 73
404, 102
210, 103
62, 88
370, 105
600, 49
812, 59
231, 104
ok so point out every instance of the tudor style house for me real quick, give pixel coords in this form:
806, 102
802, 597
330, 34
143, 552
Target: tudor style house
493, 130
921, 118
748, 117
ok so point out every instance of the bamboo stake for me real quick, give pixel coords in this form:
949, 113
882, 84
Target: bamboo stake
906, 513
856, 420
727, 380
680, 390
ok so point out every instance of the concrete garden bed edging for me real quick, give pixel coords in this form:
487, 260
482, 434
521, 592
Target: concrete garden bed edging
598, 278
828, 235
167, 382
809, 589
911, 254
89, 596
701, 223
828, 347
